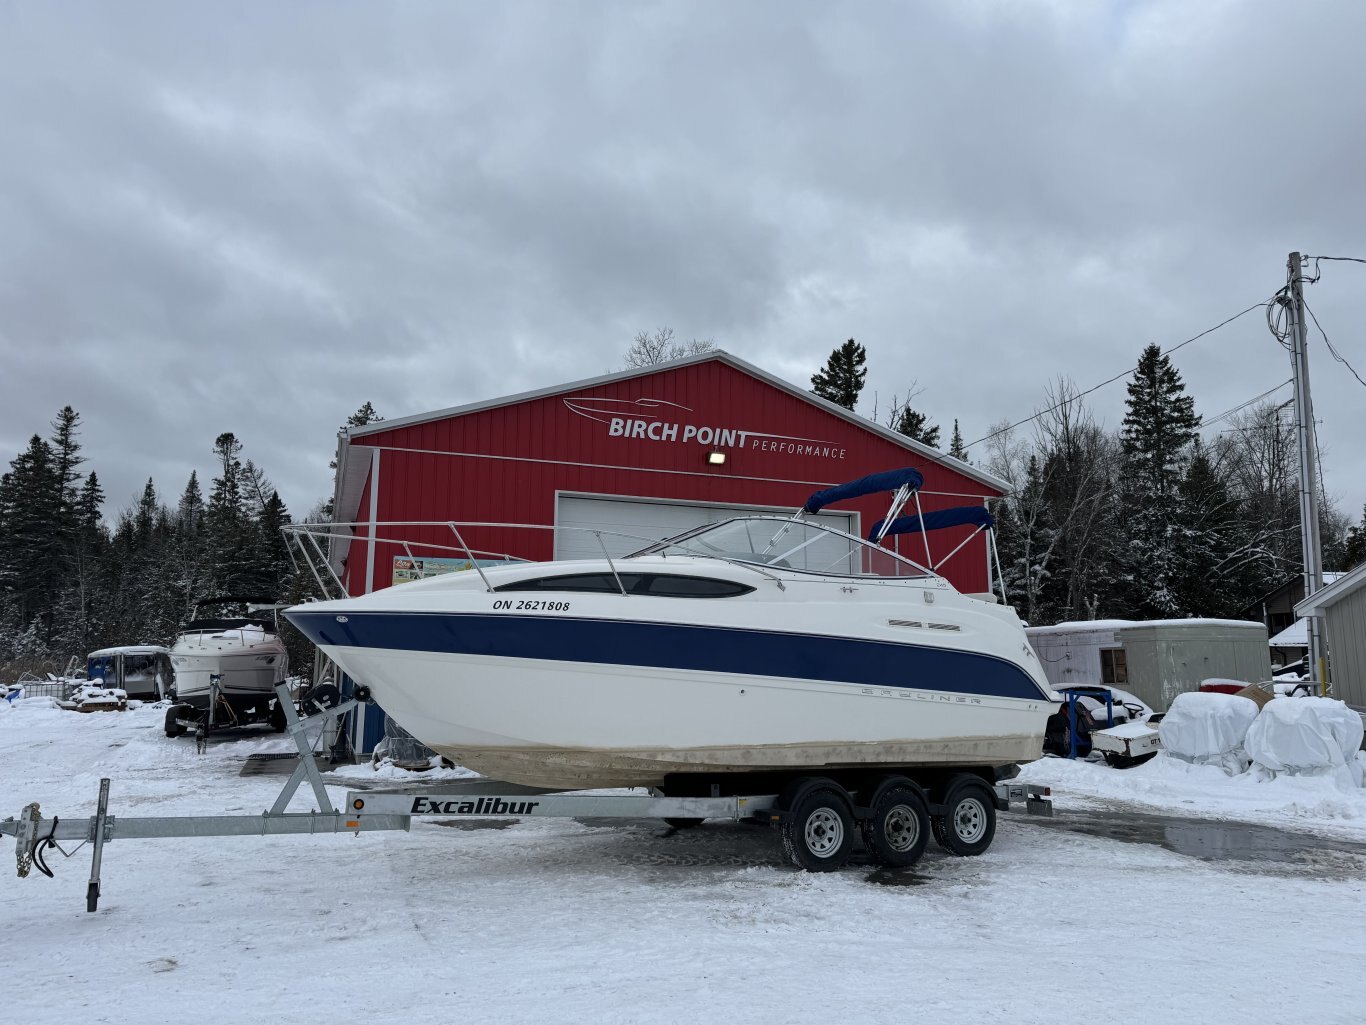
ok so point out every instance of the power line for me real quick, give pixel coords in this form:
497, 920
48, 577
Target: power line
1080, 395
1336, 355
1207, 421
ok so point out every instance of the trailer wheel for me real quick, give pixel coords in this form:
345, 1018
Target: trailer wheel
172, 723
969, 821
818, 834
898, 829
684, 823
277, 719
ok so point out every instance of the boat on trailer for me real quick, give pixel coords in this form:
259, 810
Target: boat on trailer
759, 648
227, 668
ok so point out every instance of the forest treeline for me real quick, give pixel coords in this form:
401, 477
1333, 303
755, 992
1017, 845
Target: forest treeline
1171, 515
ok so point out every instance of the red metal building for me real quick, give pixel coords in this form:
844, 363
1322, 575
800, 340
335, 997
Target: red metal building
646, 452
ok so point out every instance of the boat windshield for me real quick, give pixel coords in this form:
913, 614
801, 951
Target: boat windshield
796, 544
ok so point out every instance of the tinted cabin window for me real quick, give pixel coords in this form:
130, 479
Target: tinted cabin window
578, 582
694, 587
658, 585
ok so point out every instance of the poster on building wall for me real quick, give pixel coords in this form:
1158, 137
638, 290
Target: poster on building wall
406, 569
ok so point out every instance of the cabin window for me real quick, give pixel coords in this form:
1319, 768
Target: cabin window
666, 586
660, 585
590, 583
1114, 666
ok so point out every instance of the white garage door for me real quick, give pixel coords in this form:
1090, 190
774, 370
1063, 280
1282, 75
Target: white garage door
644, 523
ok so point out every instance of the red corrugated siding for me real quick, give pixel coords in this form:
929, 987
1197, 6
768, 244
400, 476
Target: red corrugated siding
442, 469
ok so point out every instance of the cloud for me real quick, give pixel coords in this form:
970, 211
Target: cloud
257, 219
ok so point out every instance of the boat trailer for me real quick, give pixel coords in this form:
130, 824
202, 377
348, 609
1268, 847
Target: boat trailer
394, 809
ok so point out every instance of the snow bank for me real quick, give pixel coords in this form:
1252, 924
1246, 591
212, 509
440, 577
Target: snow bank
1208, 729
1306, 736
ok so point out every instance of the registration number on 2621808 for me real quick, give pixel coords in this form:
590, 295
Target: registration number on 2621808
531, 605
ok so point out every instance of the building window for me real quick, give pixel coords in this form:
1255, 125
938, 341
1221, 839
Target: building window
1114, 666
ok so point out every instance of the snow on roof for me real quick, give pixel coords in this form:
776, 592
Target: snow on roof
1296, 635
131, 649
1087, 626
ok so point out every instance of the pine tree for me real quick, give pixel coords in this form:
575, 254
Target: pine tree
190, 511
30, 551
1354, 552
841, 380
1159, 422
956, 448
225, 521
916, 426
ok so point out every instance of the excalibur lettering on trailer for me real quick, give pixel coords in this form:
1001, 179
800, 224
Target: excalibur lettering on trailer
483, 806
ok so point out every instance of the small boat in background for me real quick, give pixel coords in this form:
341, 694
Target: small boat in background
227, 668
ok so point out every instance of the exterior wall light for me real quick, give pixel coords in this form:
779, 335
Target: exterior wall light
715, 458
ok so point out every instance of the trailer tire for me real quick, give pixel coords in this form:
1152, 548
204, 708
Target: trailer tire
172, 722
898, 828
684, 823
818, 832
968, 824
277, 719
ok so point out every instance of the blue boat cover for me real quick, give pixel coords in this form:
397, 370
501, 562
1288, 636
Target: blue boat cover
964, 515
888, 480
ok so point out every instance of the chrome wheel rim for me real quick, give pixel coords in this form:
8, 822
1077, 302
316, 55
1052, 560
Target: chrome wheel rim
824, 832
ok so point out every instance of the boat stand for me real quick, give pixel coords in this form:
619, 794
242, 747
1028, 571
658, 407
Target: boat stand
34, 835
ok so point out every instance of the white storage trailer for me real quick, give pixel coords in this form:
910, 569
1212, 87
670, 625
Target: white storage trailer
1155, 660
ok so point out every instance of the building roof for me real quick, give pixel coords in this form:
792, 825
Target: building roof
718, 355
1331, 594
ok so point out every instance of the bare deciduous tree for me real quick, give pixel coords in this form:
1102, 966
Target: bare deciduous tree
647, 349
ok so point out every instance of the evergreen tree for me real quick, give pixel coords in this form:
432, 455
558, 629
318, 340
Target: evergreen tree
916, 426
190, 511
225, 521
66, 452
30, 551
956, 448
1354, 552
841, 380
1159, 422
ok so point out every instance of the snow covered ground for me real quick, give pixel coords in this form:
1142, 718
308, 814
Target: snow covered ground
560, 921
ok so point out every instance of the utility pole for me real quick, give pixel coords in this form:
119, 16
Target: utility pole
1308, 453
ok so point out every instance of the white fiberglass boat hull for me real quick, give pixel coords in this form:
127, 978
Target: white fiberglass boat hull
244, 672
568, 689
552, 724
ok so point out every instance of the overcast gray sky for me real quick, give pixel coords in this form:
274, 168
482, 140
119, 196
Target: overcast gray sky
256, 217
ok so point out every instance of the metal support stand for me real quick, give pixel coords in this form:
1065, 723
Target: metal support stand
92, 891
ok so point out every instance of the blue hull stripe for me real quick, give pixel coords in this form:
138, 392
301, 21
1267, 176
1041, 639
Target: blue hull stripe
675, 646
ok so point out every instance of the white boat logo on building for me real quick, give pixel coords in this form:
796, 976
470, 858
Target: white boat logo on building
648, 420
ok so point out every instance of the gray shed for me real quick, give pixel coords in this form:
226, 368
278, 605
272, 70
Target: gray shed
1342, 605
1154, 660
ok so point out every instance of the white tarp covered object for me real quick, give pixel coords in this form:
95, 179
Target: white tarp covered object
1208, 728
1304, 736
